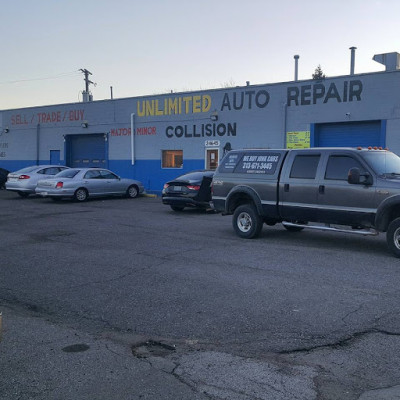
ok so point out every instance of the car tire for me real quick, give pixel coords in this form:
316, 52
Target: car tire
23, 194
246, 221
393, 237
81, 194
132, 192
177, 208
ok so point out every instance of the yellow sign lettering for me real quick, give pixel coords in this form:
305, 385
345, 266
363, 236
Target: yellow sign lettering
173, 106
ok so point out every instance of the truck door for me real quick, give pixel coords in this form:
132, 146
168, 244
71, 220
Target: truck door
341, 202
298, 188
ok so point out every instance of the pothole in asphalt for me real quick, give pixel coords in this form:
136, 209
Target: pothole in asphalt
152, 348
76, 348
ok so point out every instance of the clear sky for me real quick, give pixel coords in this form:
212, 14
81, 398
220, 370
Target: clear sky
155, 46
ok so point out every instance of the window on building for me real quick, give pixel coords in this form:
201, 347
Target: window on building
172, 158
305, 167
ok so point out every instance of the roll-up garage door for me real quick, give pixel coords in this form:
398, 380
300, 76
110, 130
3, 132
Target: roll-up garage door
350, 134
87, 151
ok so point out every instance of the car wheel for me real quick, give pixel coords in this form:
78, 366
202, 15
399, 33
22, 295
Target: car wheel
81, 194
23, 194
177, 208
393, 237
132, 191
246, 222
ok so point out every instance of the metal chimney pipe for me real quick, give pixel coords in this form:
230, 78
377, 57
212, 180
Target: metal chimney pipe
353, 59
296, 67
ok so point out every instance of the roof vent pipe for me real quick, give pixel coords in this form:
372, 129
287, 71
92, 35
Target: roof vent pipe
353, 59
296, 67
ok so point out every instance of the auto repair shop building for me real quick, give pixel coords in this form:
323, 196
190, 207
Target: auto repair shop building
156, 138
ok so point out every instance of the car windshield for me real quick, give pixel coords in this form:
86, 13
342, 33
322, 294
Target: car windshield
383, 162
67, 173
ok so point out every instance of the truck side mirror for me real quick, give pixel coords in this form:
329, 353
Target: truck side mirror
354, 176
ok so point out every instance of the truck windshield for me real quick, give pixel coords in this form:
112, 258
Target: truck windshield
383, 162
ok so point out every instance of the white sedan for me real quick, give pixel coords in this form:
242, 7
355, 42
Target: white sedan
82, 183
24, 180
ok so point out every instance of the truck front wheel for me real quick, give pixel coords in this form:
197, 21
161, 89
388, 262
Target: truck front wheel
393, 237
246, 222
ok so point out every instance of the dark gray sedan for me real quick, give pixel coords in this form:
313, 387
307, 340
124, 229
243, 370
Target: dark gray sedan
82, 183
192, 189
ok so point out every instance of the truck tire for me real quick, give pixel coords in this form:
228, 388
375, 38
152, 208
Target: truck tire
246, 222
393, 237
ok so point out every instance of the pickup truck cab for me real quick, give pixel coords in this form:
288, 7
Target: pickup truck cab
339, 189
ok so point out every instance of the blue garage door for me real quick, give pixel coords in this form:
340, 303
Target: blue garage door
350, 134
87, 151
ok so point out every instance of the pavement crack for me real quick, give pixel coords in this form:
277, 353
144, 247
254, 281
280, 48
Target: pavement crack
346, 341
352, 312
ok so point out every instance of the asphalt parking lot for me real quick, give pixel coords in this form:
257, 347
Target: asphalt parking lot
124, 298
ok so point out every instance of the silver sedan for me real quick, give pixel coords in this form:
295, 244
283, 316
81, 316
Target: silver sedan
24, 180
82, 183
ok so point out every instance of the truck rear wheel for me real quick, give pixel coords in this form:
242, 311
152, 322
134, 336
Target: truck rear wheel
246, 222
393, 237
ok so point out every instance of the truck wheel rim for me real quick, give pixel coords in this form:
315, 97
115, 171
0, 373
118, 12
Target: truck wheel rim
244, 222
396, 238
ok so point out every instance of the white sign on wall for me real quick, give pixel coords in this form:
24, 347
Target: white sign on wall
212, 143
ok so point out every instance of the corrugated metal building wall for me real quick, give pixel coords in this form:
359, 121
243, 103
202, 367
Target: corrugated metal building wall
177, 132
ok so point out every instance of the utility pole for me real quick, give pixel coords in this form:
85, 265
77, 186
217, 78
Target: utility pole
86, 96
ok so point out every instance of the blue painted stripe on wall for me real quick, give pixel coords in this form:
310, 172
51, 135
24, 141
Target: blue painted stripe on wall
15, 165
149, 172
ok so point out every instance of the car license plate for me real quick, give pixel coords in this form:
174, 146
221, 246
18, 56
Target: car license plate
12, 179
177, 188
43, 193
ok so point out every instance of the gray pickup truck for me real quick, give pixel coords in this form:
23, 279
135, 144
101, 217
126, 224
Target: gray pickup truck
338, 189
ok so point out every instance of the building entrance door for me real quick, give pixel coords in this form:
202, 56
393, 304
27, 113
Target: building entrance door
212, 157
55, 157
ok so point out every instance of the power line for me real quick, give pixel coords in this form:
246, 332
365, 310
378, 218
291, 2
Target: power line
59, 76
